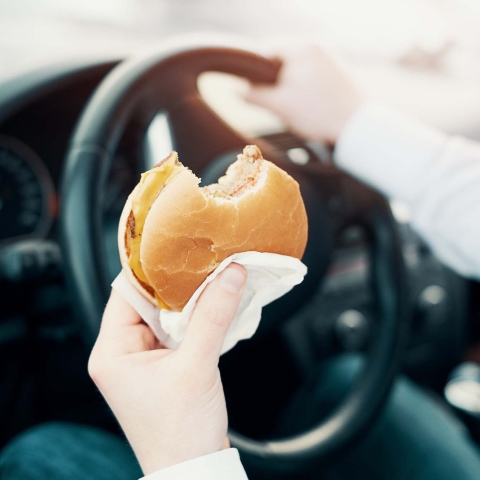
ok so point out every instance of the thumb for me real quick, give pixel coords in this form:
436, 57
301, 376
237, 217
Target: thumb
213, 315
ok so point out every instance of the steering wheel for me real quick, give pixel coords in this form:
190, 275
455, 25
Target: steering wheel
136, 90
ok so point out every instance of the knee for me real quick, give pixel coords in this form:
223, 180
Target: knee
64, 450
36, 444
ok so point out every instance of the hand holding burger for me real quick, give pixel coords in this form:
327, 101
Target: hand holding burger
172, 235
169, 403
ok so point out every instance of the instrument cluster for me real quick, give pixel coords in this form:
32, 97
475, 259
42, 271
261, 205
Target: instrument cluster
27, 194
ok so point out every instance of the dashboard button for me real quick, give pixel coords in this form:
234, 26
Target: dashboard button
352, 329
431, 304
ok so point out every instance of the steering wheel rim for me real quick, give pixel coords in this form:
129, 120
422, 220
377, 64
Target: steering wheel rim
326, 440
167, 79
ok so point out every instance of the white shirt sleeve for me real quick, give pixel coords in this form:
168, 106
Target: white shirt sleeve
216, 466
436, 175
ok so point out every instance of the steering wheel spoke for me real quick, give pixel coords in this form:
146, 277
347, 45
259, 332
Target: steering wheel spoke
199, 134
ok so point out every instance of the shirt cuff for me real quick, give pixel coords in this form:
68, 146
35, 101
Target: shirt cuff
388, 151
216, 466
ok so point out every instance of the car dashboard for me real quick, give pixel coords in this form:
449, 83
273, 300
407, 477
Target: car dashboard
38, 112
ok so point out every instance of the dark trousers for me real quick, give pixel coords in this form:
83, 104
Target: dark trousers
64, 451
414, 439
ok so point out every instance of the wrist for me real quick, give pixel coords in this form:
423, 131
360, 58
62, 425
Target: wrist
154, 463
375, 134
153, 456
345, 114
219, 465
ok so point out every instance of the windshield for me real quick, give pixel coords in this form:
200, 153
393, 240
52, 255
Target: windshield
33, 31
421, 57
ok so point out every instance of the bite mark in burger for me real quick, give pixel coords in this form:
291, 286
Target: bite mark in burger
173, 233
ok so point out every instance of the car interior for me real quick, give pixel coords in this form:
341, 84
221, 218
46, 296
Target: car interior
74, 138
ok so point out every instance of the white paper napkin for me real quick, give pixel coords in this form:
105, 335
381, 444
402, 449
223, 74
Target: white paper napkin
270, 276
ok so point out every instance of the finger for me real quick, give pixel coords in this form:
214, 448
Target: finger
119, 312
213, 315
123, 330
262, 95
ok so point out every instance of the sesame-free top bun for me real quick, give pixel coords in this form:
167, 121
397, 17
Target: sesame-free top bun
189, 230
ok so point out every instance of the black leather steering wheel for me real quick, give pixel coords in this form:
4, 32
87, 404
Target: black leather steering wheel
167, 80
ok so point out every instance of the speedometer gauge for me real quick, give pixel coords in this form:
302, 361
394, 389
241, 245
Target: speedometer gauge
26, 192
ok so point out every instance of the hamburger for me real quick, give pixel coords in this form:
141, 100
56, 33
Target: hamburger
172, 233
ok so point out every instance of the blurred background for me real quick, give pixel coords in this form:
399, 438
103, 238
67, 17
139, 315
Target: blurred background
402, 51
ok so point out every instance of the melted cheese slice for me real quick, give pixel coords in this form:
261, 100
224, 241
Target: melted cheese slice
151, 183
